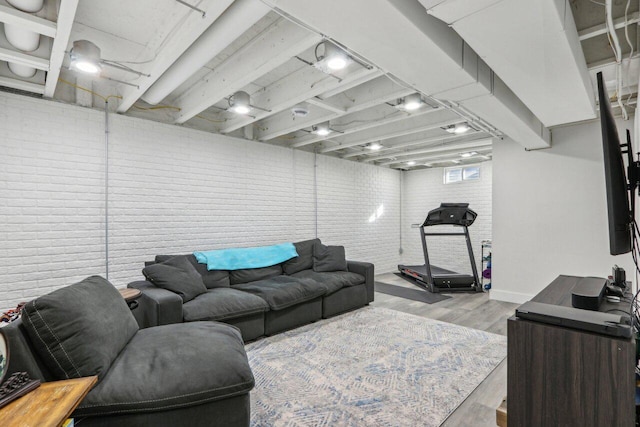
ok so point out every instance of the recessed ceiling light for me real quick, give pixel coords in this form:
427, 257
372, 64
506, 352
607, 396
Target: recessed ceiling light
469, 154
374, 146
411, 163
455, 161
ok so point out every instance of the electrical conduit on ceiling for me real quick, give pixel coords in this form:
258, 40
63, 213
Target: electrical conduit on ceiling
237, 19
22, 39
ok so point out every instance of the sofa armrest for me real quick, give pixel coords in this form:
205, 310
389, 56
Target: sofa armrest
157, 306
367, 270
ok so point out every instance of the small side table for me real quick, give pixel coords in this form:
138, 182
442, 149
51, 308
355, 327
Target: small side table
47, 406
130, 296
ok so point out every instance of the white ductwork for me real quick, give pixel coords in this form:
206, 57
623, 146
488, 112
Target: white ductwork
31, 6
23, 39
237, 19
399, 37
533, 46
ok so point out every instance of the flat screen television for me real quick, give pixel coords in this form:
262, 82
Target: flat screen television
618, 190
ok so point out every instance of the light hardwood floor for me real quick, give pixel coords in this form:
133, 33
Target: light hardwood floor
473, 310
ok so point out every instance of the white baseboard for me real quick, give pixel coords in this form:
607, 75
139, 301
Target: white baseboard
515, 297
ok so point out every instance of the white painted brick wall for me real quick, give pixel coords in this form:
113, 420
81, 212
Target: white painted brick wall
423, 191
172, 190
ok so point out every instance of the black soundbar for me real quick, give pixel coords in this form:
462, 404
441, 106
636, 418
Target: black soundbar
593, 321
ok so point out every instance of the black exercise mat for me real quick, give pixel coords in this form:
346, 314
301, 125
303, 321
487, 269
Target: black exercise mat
412, 294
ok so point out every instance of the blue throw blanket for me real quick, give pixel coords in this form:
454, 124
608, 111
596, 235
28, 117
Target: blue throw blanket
241, 258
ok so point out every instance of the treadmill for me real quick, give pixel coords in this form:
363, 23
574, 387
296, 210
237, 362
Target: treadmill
437, 279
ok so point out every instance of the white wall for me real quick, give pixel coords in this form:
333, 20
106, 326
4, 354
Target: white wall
424, 190
549, 212
171, 190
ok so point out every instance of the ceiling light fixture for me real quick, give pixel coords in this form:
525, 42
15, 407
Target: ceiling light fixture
412, 102
461, 128
455, 161
411, 163
374, 146
240, 103
469, 154
334, 58
85, 57
321, 129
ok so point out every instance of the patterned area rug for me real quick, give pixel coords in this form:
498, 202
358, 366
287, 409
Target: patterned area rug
371, 367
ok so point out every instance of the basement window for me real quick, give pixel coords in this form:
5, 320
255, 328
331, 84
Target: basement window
460, 174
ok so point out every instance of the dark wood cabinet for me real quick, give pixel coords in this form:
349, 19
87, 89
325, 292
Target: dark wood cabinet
566, 377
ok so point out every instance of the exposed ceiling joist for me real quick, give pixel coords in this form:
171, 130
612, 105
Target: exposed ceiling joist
21, 85
272, 48
27, 21
441, 149
192, 28
368, 122
454, 156
327, 106
411, 143
66, 14
401, 128
427, 142
364, 97
296, 88
20, 58
600, 29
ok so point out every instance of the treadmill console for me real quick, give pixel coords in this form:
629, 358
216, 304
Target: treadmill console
451, 214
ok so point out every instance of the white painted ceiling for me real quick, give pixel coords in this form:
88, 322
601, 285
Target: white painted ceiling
505, 67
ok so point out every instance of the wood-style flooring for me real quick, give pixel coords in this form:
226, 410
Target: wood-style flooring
473, 310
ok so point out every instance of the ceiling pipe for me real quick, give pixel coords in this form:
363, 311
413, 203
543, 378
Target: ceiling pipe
237, 19
22, 39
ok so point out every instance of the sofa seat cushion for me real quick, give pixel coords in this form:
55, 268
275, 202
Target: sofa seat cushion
172, 366
334, 280
223, 303
284, 291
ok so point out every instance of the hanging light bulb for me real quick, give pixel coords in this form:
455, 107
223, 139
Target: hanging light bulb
85, 57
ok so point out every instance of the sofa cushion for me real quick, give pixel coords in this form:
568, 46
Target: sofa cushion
284, 291
212, 279
79, 330
329, 258
223, 303
304, 260
176, 275
333, 280
253, 274
173, 366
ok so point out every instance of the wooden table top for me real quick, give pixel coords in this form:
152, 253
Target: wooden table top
48, 405
130, 294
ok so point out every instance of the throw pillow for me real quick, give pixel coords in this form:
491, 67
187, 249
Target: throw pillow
177, 275
79, 330
304, 260
211, 279
329, 258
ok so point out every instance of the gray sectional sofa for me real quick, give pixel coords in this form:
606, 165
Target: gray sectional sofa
187, 374
319, 283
